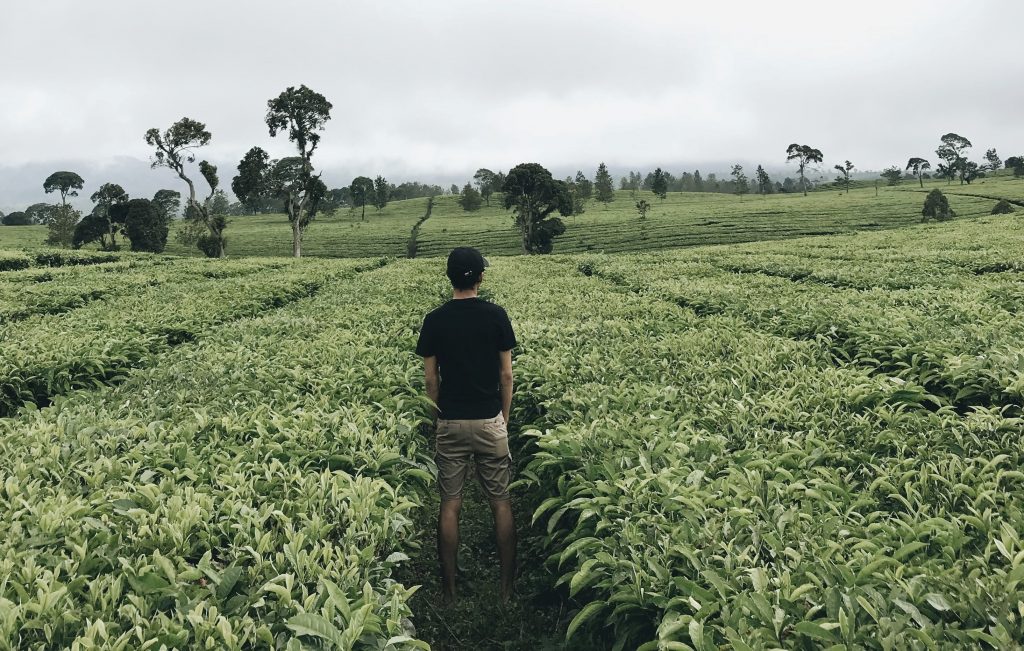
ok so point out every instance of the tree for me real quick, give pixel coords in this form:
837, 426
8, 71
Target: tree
470, 198
485, 181
533, 194
250, 184
108, 195
994, 162
454, 189
17, 218
361, 192
917, 166
41, 213
764, 184
945, 171
579, 205
333, 200
174, 148
936, 207
64, 182
698, 182
969, 170
893, 175
740, 181
92, 228
952, 151
301, 193
659, 185
844, 174
61, 225
635, 181
584, 186
302, 113
168, 203
603, 185
1016, 163
642, 207
381, 192
146, 226
219, 204
803, 155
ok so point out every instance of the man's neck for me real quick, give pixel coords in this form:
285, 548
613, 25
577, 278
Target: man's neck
458, 294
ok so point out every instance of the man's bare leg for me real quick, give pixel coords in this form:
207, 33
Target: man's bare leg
448, 545
505, 534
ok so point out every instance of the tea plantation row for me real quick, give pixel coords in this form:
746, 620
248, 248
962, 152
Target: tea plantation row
785, 444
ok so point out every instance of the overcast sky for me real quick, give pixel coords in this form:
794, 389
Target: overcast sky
434, 90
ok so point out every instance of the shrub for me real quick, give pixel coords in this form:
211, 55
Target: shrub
146, 226
10, 261
1004, 207
210, 245
17, 218
62, 225
936, 206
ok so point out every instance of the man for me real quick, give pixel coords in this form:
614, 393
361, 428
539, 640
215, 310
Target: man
466, 346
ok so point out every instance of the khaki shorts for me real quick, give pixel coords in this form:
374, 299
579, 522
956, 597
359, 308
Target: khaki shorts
484, 441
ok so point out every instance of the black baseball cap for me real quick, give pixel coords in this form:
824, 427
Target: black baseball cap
466, 261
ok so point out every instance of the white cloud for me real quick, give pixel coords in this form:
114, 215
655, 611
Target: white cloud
433, 90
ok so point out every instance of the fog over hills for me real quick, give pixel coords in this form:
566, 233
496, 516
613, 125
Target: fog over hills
432, 91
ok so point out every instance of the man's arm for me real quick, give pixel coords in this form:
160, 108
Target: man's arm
505, 357
433, 379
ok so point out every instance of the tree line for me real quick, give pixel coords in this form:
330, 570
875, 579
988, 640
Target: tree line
293, 186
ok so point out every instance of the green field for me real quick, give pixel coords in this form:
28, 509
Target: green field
682, 219
804, 443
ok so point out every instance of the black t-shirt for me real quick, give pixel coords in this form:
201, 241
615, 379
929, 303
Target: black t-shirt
466, 335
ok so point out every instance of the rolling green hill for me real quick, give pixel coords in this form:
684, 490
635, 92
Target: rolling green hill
682, 219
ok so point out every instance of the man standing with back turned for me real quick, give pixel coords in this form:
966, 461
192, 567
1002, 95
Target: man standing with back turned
466, 346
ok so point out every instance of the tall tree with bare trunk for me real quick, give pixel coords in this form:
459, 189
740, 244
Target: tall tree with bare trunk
301, 112
803, 155
176, 147
917, 166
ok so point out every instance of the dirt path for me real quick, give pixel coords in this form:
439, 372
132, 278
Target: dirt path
535, 619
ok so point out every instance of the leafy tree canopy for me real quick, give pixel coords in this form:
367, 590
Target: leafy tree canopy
250, 184
659, 184
168, 202
17, 218
1016, 163
604, 187
532, 193
92, 228
301, 112
803, 155
893, 175
66, 183
362, 192
470, 198
146, 226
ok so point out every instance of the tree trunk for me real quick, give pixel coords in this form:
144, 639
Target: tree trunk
296, 239
363, 218
920, 179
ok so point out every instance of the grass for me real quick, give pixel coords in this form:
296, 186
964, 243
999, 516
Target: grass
682, 219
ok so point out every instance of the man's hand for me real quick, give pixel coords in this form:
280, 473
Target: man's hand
505, 358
